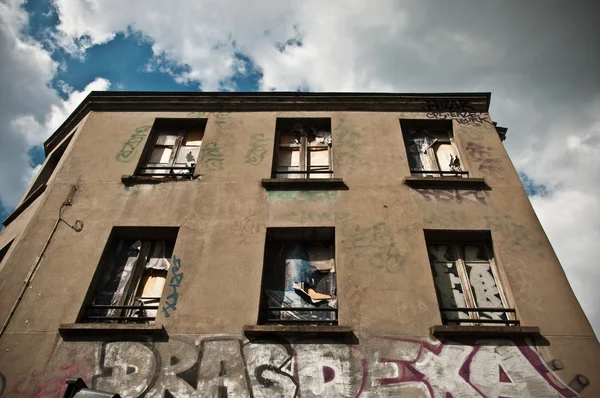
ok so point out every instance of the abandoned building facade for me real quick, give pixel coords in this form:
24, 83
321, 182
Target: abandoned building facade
285, 245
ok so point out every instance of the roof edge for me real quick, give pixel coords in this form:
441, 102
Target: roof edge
125, 101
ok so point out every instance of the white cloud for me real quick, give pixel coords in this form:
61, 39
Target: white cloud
544, 79
29, 109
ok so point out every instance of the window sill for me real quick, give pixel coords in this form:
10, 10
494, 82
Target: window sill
130, 180
484, 331
254, 330
446, 182
112, 331
303, 183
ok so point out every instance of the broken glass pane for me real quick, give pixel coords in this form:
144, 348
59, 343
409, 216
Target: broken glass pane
166, 139
441, 252
475, 253
193, 138
160, 155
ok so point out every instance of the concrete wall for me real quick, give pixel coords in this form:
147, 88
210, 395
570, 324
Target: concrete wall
386, 293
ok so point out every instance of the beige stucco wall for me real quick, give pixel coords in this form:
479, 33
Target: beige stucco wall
223, 216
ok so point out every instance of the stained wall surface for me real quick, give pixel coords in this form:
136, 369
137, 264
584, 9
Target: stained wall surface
386, 291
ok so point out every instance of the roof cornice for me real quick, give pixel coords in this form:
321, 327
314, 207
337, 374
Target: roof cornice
149, 101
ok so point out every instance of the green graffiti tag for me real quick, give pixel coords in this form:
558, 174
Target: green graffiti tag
221, 117
130, 146
371, 247
348, 145
304, 196
212, 156
257, 150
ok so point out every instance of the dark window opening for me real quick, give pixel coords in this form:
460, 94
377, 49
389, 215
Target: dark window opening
299, 278
128, 285
431, 149
303, 148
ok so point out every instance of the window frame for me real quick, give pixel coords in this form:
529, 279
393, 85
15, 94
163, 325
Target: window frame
125, 309
443, 134
472, 309
279, 236
178, 127
300, 128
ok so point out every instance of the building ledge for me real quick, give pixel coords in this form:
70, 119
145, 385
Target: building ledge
130, 180
446, 182
274, 184
253, 330
112, 331
485, 331
24, 205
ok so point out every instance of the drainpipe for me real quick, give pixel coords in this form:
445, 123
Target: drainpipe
77, 227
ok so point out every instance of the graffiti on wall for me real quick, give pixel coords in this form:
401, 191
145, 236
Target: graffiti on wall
510, 229
130, 146
304, 196
324, 216
454, 195
448, 105
445, 218
349, 145
212, 156
174, 283
464, 118
220, 117
371, 247
226, 366
49, 383
257, 149
488, 164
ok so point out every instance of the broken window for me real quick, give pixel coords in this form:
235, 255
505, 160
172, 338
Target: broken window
299, 279
129, 284
303, 148
174, 146
467, 284
431, 149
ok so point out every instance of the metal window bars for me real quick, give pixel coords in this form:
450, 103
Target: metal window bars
506, 311
127, 313
319, 321
442, 173
170, 171
306, 172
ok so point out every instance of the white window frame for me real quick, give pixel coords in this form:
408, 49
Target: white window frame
170, 168
300, 143
429, 158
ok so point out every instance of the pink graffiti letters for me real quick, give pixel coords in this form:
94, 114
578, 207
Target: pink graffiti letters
453, 195
489, 165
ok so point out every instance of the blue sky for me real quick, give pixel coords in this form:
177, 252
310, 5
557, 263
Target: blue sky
544, 81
